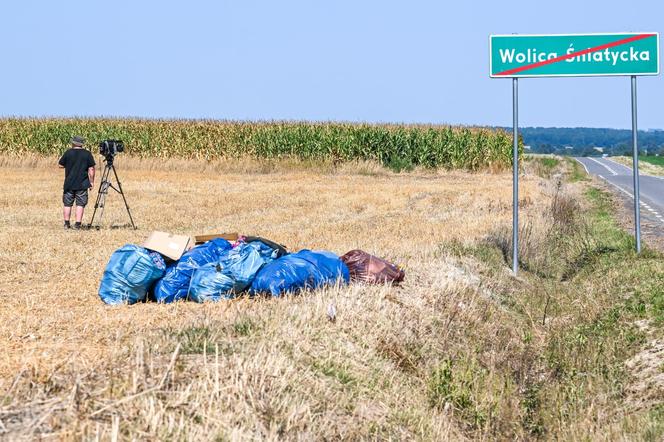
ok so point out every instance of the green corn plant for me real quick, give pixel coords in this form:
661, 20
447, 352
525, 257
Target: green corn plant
429, 146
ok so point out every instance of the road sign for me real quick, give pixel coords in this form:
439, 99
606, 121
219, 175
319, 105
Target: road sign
573, 55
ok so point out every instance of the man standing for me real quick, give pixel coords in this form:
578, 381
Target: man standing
79, 165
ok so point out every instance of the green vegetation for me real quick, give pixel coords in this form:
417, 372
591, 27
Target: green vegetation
462, 386
543, 166
549, 162
567, 168
576, 171
652, 159
193, 340
400, 147
244, 326
331, 369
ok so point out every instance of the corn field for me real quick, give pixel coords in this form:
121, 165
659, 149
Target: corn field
395, 146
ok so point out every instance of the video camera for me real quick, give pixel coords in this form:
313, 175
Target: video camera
108, 148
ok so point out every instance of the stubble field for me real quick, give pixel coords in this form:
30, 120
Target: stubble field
440, 357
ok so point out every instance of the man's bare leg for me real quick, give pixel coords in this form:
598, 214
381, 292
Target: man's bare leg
66, 214
79, 214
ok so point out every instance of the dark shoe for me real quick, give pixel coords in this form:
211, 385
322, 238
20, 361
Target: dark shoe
77, 226
67, 225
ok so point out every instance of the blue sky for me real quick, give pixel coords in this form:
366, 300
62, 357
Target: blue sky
375, 61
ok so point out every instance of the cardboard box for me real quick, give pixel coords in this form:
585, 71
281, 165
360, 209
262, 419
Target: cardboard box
169, 245
200, 239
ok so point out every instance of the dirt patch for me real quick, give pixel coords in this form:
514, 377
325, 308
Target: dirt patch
647, 369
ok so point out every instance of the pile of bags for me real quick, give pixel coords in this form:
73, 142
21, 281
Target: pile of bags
219, 269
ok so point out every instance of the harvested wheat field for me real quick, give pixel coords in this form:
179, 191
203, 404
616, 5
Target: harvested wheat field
459, 350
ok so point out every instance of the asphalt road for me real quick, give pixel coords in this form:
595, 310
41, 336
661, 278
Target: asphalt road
651, 188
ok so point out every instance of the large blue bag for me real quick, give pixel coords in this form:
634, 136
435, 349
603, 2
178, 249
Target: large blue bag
209, 283
231, 274
175, 283
302, 270
129, 274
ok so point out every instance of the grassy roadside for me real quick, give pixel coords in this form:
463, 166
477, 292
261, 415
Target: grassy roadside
592, 305
589, 312
550, 166
650, 164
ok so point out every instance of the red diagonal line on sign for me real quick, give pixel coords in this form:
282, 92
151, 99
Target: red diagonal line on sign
575, 54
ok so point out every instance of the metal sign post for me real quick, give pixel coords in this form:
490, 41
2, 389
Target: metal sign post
572, 55
515, 176
635, 170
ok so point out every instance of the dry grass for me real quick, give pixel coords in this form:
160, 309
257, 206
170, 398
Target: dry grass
644, 166
269, 369
58, 334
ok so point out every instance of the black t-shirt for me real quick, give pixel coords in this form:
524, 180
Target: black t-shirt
76, 163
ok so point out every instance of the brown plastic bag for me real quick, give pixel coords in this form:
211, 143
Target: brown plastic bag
368, 268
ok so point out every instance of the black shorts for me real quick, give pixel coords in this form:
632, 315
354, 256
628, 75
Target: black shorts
81, 197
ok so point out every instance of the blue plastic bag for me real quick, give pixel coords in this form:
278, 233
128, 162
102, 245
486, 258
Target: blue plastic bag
129, 274
244, 261
302, 270
175, 283
231, 274
209, 283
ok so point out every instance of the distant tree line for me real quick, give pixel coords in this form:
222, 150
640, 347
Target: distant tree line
583, 141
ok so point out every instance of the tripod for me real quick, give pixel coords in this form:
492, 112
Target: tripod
104, 185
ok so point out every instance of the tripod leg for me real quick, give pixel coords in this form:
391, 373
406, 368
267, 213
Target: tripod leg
101, 196
123, 197
102, 200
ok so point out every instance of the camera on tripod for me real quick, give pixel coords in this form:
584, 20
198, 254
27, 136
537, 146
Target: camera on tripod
109, 148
